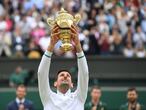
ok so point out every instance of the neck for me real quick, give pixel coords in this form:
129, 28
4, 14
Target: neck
62, 90
19, 98
95, 101
134, 102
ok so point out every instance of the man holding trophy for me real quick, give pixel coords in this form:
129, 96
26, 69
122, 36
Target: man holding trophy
63, 28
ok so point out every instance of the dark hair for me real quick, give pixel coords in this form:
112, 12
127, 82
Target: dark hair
21, 86
95, 87
132, 89
62, 71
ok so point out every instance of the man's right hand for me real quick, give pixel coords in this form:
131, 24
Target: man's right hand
54, 37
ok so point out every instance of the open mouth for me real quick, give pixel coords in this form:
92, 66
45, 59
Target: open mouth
65, 84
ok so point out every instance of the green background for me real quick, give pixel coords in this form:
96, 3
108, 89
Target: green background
113, 98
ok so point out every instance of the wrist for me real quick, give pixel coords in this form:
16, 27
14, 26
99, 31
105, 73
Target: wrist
48, 54
78, 48
50, 48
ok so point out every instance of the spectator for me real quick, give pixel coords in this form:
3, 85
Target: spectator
132, 104
1, 9
139, 38
18, 43
44, 41
128, 38
122, 20
91, 21
143, 25
90, 42
30, 17
140, 51
34, 51
104, 43
95, 103
128, 50
111, 19
5, 43
116, 40
85, 41
20, 103
20, 76
135, 22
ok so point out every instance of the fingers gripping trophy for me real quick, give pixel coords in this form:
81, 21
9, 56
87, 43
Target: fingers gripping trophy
64, 20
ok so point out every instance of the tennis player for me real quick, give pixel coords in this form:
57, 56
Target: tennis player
63, 99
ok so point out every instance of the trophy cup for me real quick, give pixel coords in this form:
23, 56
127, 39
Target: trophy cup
64, 20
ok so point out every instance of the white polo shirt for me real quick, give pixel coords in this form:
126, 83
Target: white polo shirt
69, 100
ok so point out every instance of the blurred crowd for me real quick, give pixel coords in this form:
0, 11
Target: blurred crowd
107, 27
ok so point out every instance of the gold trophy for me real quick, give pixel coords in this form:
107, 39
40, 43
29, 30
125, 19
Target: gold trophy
64, 20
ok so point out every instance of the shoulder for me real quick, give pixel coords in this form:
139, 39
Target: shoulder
103, 104
88, 105
27, 101
74, 94
123, 106
24, 71
142, 106
12, 103
12, 75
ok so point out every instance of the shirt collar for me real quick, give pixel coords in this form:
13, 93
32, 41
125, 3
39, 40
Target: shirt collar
20, 101
98, 104
66, 94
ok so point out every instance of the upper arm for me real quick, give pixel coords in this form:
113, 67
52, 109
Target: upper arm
83, 78
9, 107
32, 106
43, 79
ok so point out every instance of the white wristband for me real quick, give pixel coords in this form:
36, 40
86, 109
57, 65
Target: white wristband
48, 54
80, 55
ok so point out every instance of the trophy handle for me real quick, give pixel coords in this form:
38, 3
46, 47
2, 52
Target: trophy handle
77, 18
51, 22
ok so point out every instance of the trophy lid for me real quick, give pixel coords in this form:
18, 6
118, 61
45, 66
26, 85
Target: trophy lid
62, 11
64, 19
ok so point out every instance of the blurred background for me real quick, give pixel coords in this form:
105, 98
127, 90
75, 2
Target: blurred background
113, 38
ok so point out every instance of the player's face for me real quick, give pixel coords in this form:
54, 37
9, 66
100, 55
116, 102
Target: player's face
132, 96
21, 92
64, 80
96, 94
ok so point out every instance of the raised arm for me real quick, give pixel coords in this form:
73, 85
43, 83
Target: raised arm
83, 74
43, 70
43, 74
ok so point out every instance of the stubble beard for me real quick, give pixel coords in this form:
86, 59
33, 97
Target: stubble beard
64, 85
132, 101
